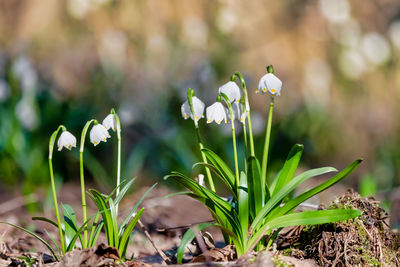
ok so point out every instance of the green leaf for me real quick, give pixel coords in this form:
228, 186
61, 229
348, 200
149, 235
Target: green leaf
305, 218
292, 204
99, 200
54, 242
219, 174
44, 219
188, 238
125, 236
70, 224
220, 165
288, 170
123, 191
254, 181
36, 236
114, 221
282, 193
135, 208
243, 210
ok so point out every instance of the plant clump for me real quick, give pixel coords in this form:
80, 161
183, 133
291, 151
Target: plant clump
363, 241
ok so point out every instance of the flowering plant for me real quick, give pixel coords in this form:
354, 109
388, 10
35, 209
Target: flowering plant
253, 216
107, 215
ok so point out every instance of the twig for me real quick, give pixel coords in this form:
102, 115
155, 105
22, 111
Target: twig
166, 260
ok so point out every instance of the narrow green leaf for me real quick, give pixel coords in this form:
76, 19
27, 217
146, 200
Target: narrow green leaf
114, 221
123, 191
288, 170
133, 210
220, 165
254, 181
188, 238
36, 236
99, 200
44, 219
292, 204
123, 244
305, 218
220, 175
282, 193
243, 202
70, 223
54, 242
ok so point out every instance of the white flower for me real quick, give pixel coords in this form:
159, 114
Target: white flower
66, 140
109, 122
198, 108
216, 112
98, 133
269, 82
231, 90
238, 112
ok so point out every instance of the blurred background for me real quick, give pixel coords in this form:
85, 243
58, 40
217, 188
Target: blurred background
67, 61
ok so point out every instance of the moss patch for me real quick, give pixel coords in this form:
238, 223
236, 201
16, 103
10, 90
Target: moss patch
366, 240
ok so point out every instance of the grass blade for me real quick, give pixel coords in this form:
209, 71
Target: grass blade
256, 191
243, 210
44, 219
288, 170
123, 244
220, 165
292, 204
188, 238
36, 236
289, 187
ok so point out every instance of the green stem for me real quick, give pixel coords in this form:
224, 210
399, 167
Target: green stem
266, 144
53, 187
82, 178
233, 140
245, 137
247, 108
190, 94
118, 123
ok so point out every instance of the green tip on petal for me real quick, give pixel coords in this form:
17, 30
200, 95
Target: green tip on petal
270, 69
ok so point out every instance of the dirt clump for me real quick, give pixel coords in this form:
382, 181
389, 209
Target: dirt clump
363, 241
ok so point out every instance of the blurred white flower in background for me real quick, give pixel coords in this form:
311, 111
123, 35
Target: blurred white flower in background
26, 114
112, 49
23, 69
347, 34
394, 33
195, 32
352, 63
335, 11
375, 48
66, 140
317, 78
79, 8
4, 90
98, 133
226, 17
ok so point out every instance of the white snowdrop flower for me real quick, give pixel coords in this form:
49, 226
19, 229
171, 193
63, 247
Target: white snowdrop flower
269, 82
66, 140
238, 112
98, 133
375, 48
200, 180
198, 108
231, 90
216, 112
109, 122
